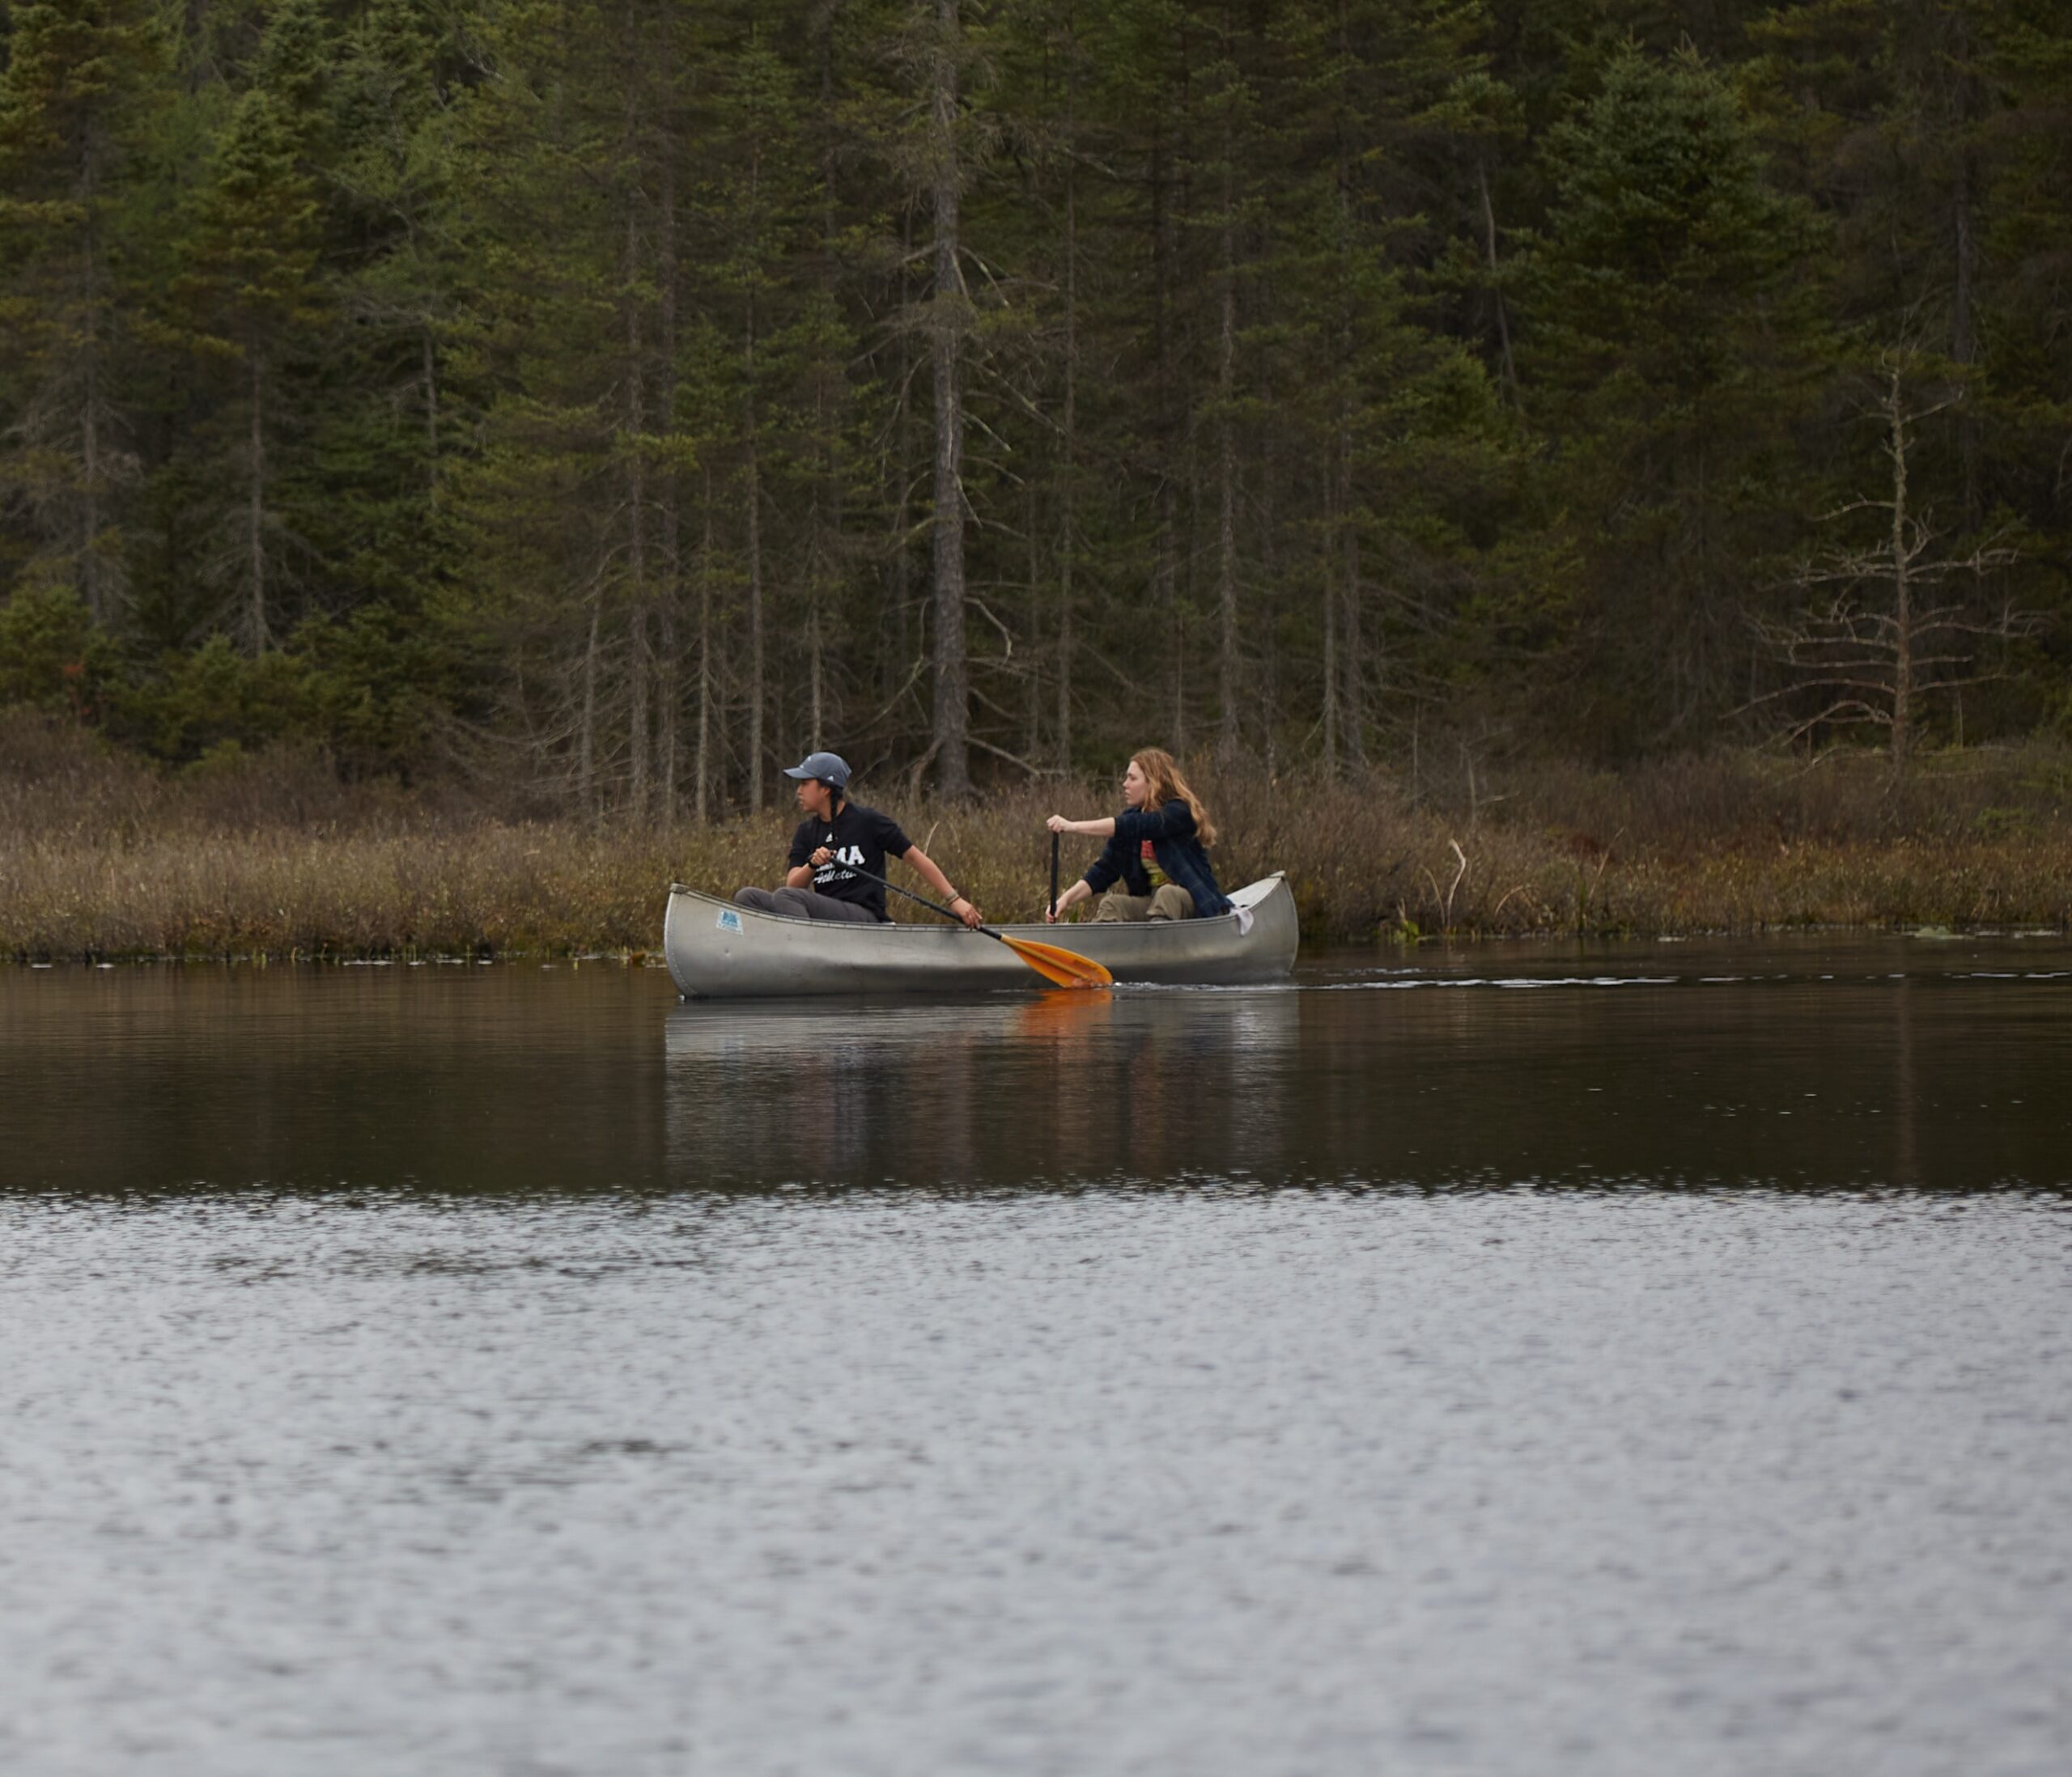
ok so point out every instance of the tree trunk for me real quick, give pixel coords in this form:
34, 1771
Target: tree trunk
1067, 448
89, 465
1266, 668
586, 732
1963, 338
1354, 697
900, 565
1334, 494
1902, 591
1185, 605
1033, 534
815, 720
1226, 451
1964, 342
950, 741
431, 417
636, 543
824, 532
1164, 565
90, 578
752, 475
702, 758
1354, 713
1496, 289
256, 517
1355, 678
667, 691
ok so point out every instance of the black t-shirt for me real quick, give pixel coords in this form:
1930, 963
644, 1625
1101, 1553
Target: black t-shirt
857, 835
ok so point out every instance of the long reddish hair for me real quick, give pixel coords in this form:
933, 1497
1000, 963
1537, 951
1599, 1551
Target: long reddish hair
1161, 771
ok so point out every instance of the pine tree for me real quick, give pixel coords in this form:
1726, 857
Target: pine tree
1938, 136
945, 170
754, 212
1402, 414
389, 415
1671, 342
2025, 404
252, 297
536, 504
76, 90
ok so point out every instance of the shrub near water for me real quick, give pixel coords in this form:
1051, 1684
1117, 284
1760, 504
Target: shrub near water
102, 854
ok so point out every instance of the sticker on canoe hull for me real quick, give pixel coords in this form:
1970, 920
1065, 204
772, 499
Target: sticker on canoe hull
729, 920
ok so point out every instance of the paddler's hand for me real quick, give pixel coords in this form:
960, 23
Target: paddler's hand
821, 857
1051, 915
967, 912
1058, 824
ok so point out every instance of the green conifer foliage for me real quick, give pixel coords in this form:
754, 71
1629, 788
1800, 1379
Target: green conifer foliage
1936, 135
613, 398
76, 91
251, 300
1665, 327
389, 410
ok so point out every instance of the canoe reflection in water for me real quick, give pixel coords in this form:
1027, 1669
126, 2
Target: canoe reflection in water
1144, 1082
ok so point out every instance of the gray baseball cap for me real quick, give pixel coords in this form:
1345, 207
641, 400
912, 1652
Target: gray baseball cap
828, 767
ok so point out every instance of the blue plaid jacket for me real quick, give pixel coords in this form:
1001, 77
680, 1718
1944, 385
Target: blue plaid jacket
1171, 831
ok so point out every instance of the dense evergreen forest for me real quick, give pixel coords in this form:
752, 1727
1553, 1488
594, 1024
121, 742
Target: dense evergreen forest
615, 397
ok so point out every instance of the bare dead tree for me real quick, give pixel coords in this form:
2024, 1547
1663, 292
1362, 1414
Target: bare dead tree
669, 694
1881, 630
1068, 439
949, 320
1226, 448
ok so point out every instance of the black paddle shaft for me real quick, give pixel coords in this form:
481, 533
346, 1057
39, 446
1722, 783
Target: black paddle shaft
933, 906
1054, 875
1047, 959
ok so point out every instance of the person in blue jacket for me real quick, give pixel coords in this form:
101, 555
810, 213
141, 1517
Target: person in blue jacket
1155, 865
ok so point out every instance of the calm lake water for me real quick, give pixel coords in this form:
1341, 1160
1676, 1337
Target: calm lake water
1624, 1360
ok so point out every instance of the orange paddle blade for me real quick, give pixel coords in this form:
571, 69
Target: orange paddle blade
1067, 968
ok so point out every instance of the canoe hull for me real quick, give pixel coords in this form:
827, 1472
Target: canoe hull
717, 950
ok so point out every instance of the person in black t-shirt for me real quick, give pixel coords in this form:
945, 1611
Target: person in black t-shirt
836, 841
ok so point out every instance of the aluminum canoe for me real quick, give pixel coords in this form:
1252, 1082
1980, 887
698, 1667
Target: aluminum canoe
717, 950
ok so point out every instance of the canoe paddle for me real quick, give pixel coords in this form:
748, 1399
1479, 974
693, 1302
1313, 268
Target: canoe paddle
1065, 968
1054, 875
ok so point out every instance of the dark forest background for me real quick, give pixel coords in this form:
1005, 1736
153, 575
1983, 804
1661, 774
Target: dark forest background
614, 399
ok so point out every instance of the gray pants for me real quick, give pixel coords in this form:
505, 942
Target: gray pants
803, 904
1169, 900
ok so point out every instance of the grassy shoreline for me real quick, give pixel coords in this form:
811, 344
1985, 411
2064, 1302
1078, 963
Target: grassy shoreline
105, 857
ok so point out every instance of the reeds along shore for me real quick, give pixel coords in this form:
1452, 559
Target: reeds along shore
104, 856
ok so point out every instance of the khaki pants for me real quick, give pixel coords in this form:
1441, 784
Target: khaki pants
1171, 901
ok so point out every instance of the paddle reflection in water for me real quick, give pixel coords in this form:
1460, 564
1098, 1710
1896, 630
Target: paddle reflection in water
1081, 1085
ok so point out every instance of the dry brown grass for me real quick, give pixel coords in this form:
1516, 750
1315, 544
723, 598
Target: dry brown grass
103, 855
